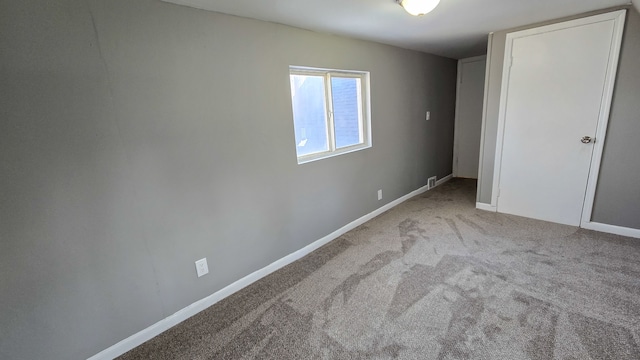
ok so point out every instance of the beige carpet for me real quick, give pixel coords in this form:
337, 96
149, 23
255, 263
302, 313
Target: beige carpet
433, 278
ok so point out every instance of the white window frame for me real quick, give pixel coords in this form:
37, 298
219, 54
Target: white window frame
365, 111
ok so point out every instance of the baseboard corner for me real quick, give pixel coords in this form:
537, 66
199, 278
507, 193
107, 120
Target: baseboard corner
486, 207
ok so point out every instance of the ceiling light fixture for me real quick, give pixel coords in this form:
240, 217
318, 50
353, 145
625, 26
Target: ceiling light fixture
418, 7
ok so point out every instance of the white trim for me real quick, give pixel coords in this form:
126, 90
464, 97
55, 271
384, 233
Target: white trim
457, 113
181, 315
612, 229
618, 17
486, 207
487, 77
440, 182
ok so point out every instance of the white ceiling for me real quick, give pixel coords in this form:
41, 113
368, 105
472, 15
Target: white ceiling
455, 29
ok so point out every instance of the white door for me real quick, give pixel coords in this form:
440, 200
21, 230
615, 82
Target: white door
556, 90
469, 116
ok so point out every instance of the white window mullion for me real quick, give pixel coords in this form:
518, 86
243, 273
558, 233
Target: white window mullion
330, 123
362, 107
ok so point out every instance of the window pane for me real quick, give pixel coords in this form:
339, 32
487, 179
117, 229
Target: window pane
346, 111
309, 114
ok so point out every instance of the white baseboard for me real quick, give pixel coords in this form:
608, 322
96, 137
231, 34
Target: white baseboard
181, 315
486, 207
612, 229
442, 181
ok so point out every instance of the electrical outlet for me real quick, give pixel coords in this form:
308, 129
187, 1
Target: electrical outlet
428, 115
201, 267
380, 194
432, 182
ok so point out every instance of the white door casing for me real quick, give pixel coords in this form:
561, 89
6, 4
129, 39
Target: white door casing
556, 88
468, 119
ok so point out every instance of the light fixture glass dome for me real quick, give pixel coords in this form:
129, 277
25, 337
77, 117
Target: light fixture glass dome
418, 7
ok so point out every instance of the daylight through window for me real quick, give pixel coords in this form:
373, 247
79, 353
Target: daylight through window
330, 112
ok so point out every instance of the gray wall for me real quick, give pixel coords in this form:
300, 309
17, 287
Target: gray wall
139, 136
617, 196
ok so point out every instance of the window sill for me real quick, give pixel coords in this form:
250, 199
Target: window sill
325, 155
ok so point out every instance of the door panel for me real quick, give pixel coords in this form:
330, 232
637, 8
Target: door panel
555, 89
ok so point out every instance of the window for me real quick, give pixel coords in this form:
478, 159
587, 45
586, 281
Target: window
330, 112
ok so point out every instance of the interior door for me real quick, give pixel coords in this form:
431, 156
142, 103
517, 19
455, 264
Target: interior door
555, 86
469, 116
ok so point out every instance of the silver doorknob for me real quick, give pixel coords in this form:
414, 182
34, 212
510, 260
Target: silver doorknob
586, 139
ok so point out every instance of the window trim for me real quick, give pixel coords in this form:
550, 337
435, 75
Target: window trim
365, 111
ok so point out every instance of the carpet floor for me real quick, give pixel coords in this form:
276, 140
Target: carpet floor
433, 278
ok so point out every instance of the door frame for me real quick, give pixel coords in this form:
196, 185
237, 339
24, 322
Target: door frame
605, 104
461, 62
